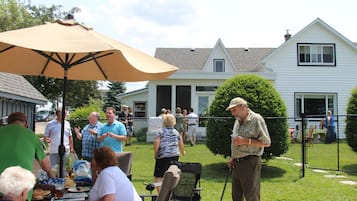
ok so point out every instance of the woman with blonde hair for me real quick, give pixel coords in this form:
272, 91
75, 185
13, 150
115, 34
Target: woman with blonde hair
167, 147
111, 184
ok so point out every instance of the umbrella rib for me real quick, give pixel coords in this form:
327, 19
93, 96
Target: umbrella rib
60, 59
45, 67
100, 68
6, 49
90, 57
48, 57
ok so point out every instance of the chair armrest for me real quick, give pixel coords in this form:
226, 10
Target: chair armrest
153, 197
197, 189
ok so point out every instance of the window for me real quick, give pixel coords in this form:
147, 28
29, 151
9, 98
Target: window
202, 110
316, 54
140, 109
206, 88
163, 98
218, 65
314, 105
183, 96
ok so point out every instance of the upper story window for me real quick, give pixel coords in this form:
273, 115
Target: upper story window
218, 65
314, 54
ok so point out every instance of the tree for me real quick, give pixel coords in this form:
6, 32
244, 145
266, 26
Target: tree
112, 99
351, 121
15, 15
263, 99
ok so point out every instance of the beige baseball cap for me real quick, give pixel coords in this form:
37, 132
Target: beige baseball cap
236, 101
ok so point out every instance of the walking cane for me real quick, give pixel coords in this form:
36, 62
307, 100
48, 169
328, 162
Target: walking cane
225, 183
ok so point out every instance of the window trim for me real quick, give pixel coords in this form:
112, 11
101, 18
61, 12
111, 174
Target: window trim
333, 63
334, 96
215, 65
135, 109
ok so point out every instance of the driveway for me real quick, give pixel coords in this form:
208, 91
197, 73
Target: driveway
40, 127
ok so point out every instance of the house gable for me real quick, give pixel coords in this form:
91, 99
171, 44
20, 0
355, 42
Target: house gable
219, 52
312, 28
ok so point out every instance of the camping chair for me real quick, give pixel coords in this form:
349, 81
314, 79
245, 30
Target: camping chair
188, 188
309, 136
169, 182
125, 162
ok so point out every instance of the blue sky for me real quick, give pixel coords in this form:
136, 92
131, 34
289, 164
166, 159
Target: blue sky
148, 24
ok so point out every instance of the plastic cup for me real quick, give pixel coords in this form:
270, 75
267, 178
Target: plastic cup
59, 187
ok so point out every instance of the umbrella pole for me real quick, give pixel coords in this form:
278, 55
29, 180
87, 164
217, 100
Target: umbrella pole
61, 147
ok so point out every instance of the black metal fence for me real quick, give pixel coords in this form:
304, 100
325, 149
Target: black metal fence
305, 131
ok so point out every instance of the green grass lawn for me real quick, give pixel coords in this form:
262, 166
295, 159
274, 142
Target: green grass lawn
281, 179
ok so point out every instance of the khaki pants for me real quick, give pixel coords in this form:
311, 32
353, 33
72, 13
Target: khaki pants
246, 179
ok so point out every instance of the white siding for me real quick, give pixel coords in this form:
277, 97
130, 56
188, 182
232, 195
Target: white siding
129, 100
325, 79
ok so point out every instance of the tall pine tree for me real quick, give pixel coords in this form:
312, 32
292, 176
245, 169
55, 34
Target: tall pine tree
112, 98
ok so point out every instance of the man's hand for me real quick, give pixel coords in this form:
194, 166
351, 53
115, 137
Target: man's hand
239, 140
92, 132
48, 139
230, 163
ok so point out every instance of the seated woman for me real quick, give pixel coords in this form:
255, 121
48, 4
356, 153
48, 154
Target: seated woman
110, 183
15, 183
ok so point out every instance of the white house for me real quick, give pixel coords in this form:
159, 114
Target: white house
314, 71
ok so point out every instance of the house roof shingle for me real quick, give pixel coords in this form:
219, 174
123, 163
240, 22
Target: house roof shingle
14, 86
194, 59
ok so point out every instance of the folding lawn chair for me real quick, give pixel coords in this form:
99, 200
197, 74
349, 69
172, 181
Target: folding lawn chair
169, 182
189, 186
125, 162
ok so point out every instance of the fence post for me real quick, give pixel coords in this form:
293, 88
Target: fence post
303, 159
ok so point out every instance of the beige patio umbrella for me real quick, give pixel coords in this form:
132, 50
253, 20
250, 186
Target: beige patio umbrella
68, 50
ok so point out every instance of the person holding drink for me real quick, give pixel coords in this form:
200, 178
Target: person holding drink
250, 136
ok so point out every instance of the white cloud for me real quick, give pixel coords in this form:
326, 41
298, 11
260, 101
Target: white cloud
146, 25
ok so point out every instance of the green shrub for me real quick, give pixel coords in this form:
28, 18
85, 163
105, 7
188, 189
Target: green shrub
263, 99
351, 121
141, 135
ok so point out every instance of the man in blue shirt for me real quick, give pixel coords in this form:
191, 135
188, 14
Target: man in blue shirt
113, 132
89, 136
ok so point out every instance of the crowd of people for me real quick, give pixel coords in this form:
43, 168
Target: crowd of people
100, 142
186, 123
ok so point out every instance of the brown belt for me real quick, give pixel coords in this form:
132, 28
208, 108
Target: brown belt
245, 158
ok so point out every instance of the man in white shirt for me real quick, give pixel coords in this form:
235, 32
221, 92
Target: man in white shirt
192, 125
53, 137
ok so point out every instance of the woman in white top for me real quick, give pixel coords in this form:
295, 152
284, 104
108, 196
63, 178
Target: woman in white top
111, 184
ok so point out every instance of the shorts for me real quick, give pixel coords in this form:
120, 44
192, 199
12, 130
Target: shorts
191, 131
163, 164
129, 130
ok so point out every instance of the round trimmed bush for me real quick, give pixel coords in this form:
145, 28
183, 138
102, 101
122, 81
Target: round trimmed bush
262, 98
351, 121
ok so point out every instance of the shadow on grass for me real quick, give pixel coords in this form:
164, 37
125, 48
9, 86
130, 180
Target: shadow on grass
350, 169
215, 171
269, 172
218, 172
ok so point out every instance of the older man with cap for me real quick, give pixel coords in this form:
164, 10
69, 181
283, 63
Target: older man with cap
250, 136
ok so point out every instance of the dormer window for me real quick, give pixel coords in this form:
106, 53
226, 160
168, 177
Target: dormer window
315, 54
218, 65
